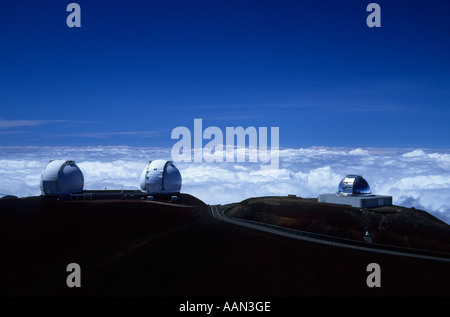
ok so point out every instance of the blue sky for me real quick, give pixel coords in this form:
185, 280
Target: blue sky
135, 70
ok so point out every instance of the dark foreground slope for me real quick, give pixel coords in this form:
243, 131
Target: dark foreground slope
39, 237
137, 248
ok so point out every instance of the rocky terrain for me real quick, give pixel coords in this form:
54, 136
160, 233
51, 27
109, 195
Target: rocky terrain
391, 225
163, 250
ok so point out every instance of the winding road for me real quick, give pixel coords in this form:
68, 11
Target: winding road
218, 212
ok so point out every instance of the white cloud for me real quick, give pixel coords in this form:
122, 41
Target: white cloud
415, 153
415, 178
104, 135
358, 151
9, 124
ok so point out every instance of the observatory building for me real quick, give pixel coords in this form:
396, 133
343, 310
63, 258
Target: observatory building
354, 190
161, 177
63, 180
61, 177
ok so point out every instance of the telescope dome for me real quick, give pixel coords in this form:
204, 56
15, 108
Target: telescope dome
61, 177
161, 177
353, 185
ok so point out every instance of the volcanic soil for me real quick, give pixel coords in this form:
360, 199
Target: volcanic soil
156, 249
391, 225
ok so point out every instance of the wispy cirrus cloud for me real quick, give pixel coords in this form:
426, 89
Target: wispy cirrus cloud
105, 135
11, 124
11, 127
6, 124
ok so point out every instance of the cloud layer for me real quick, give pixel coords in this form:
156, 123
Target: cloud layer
415, 177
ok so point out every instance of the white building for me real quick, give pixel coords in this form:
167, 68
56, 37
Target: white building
161, 177
61, 177
354, 190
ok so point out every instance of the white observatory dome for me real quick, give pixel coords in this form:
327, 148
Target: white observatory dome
353, 185
61, 177
161, 177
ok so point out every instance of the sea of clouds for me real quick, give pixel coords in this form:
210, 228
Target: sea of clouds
414, 177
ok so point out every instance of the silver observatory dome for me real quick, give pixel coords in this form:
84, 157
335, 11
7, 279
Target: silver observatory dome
353, 185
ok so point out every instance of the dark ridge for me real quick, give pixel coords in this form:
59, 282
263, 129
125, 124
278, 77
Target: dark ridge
391, 225
178, 250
